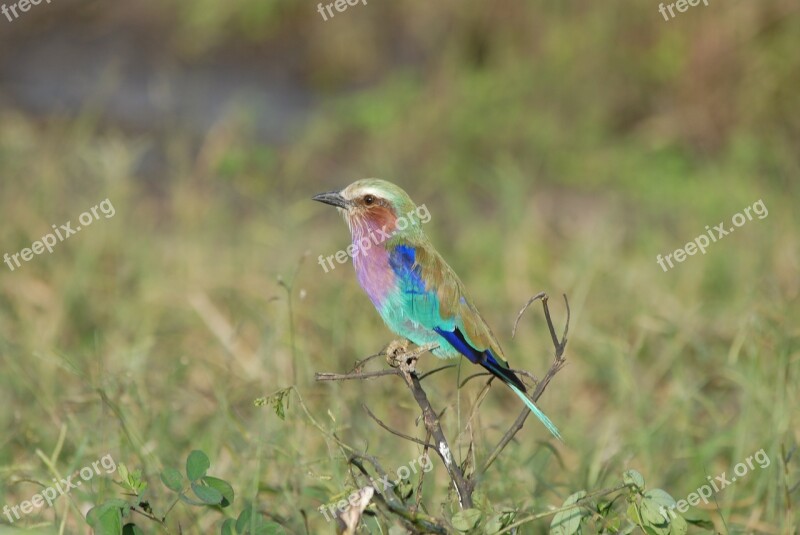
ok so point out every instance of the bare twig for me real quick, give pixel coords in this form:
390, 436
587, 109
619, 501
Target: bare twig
435, 370
418, 500
475, 376
555, 367
359, 365
326, 376
396, 433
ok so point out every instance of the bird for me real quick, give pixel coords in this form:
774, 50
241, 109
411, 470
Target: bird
418, 295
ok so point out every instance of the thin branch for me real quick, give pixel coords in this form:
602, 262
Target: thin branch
360, 363
462, 486
397, 433
428, 374
418, 500
326, 376
475, 376
558, 363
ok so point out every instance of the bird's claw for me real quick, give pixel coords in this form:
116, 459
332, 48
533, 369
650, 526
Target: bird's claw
395, 352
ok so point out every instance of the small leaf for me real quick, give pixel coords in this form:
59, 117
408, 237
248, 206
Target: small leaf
172, 479
678, 526
494, 524
223, 487
185, 499
277, 402
106, 519
568, 521
252, 523
654, 514
122, 470
701, 523
632, 477
133, 480
633, 513
270, 528
131, 529
228, 527
197, 464
207, 495
466, 520
661, 497
248, 521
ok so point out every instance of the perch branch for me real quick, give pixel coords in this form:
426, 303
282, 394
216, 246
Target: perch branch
406, 363
403, 363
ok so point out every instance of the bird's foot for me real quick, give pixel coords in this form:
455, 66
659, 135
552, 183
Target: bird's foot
395, 352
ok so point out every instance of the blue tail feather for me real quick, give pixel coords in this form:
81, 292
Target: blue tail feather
535, 410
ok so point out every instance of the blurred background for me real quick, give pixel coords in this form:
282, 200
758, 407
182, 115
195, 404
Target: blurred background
559, 147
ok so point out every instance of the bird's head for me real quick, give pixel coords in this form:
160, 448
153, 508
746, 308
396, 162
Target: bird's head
371, 204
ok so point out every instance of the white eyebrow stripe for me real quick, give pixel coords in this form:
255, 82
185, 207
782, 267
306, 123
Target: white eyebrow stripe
360, 192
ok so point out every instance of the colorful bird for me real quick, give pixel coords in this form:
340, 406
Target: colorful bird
417, 294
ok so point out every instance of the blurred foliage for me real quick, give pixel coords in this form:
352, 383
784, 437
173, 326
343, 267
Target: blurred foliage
558, 146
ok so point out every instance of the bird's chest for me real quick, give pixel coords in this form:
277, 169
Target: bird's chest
399, 295
374, 274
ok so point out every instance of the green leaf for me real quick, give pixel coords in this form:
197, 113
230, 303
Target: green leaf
494, 524
185, 499
172, 479
633, 513
701, 523
466, 520
277, 401
122, 470
632, 477
655, 511
678, 526
223, 487
106, 518
654, 514
228, 527
568, 521
197, 464
661, 497
248, 521
270, 528
131, 529
499, 521
207, 495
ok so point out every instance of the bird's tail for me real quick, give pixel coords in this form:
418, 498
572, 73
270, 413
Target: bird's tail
513, 382
535, 410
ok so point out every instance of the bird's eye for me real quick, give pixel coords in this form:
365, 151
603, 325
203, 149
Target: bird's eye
369, 199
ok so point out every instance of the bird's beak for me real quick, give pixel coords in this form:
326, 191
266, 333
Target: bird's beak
334, 198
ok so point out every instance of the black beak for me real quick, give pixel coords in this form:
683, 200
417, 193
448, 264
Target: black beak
334, 198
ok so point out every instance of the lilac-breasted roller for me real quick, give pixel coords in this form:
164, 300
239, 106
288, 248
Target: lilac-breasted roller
417, 294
